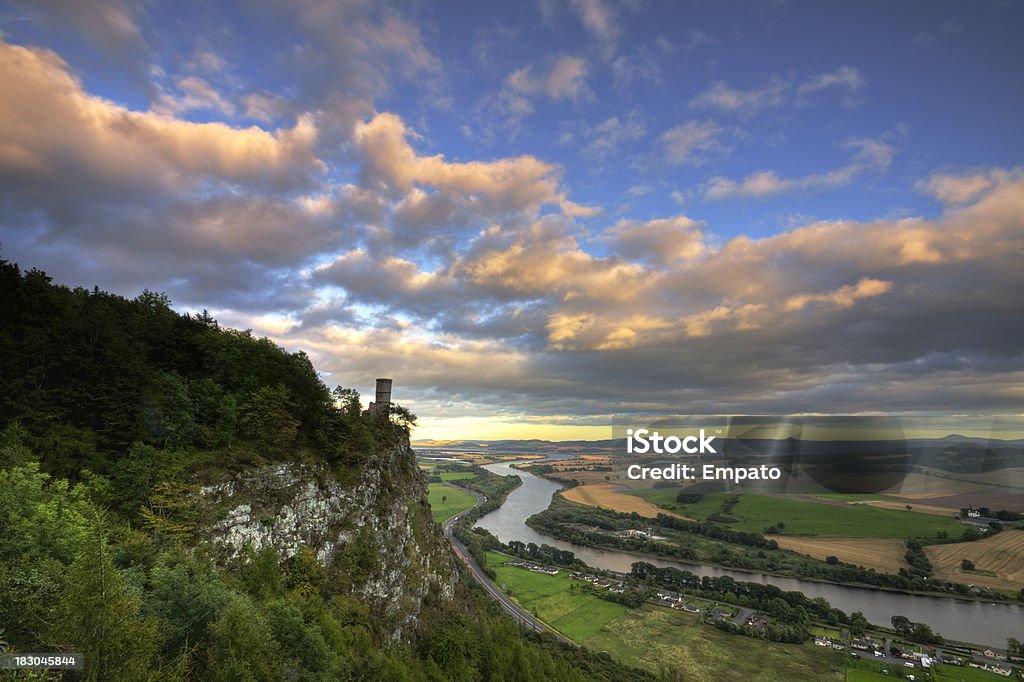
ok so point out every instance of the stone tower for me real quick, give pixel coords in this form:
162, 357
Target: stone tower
381, 406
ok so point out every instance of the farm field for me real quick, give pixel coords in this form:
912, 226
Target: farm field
755, 513
553, 599
656, 638
1002, 554
666, 499
456, 475
605, 495
881, 554
446, 501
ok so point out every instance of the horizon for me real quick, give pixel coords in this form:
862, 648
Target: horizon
537, 217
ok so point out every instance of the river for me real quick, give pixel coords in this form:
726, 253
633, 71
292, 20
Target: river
969, 621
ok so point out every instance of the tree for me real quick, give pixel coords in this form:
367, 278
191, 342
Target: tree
922, 632
902, 625
267, 419
347, 400
242, 646
402, 416
99, 615
174, 421
171, 512
858, 624
967, 565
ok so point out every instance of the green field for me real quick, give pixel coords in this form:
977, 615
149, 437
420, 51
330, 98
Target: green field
856, 675
652, 637
659, 639
454, 501
952, 673
818, 631
757, 512
556, 600
457, 475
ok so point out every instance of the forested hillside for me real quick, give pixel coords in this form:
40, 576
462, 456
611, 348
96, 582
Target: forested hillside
137, 445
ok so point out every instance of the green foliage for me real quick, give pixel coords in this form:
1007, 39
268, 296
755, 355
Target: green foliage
99, 615
266, 417
87, 373
262, 574
242, 646
186, 596
304, 651
39, 518
170, 513
347, 400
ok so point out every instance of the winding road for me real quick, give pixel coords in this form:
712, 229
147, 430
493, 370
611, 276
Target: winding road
507, 605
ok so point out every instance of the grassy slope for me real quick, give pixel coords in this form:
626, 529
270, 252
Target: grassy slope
456, 501
757, 512
655, 638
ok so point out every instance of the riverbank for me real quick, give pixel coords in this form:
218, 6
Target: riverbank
754, 573
957, 619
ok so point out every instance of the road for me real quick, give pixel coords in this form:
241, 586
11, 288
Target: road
507, 605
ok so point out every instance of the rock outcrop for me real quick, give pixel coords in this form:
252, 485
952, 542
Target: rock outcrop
380, 525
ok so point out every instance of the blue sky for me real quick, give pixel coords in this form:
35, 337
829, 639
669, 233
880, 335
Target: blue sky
536, 215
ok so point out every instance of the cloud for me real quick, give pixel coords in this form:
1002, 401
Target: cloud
843, 297
844, 77
607, 137
661, 241
109, 24
746, 102
565, 78
687, 143
51, 127
778, 91
194, 94
869, 155
362, 47
518, 184
601, 21
958, 189
560, 78
338, 230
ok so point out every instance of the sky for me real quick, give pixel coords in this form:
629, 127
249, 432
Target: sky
536, 215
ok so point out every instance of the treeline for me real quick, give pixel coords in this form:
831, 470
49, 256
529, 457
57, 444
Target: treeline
543, 554
736, 537
90, 375
788, 607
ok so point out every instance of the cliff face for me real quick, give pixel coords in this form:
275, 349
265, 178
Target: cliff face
376, 531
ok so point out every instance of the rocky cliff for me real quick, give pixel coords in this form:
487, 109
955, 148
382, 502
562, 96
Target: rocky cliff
375, 532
